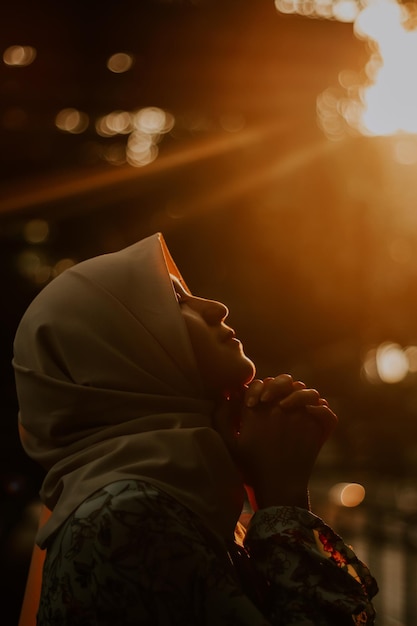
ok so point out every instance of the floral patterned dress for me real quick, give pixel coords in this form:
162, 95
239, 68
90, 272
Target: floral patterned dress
130, 555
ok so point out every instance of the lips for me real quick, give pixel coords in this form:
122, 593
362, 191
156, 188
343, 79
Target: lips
227, 335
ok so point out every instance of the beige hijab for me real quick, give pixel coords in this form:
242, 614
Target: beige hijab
108, 389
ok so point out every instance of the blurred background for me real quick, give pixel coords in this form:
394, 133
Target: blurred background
274, 144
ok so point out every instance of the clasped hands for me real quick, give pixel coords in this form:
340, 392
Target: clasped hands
274, 431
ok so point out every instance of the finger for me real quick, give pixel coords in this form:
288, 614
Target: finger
253, 392
322, 410
300, 398
276, 388
325, 418
298, 385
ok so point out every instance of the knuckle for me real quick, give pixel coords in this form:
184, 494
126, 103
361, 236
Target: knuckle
284, 378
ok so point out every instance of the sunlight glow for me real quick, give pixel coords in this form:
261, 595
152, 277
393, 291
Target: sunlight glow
383, 100
390, 102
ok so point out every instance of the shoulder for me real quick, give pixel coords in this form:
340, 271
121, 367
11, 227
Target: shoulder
133, 501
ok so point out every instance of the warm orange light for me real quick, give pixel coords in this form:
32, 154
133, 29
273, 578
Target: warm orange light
232, 123
391, 99
411, 354
72, 121
389, 363
144, 128
343, 10
115, 154
114, 123
153, 121
385, 103
347, 494
32, 265
141, 149
120, 62
62, 265
405, 150
19, 56
36, 231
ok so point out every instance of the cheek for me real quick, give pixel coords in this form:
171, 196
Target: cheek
220, 365
213, 362
199, 337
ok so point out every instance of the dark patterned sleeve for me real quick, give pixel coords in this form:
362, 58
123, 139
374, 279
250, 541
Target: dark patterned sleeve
312, 576
185, 579
132, 556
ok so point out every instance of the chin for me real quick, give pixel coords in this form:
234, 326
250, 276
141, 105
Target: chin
251, 369
247, 373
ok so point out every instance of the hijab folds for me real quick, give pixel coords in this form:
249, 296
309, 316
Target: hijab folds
108, 389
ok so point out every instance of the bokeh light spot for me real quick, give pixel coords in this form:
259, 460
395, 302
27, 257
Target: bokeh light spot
347, 494
33, 267
232, 123
411, 354
71, 120
141, 149
62, 265
114, 123
120, 62
19, 56
391, 362
36, 231
153, 120
405, 151
345, 10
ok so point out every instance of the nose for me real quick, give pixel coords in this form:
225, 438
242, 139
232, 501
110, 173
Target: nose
212, 311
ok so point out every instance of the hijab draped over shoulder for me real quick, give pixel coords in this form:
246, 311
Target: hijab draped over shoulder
108, 389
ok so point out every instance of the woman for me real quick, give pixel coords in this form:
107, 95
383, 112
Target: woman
139, 402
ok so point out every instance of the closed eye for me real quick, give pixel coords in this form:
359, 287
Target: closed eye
180, 296
179, 290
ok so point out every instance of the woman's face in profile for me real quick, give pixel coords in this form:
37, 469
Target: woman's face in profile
223, 365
